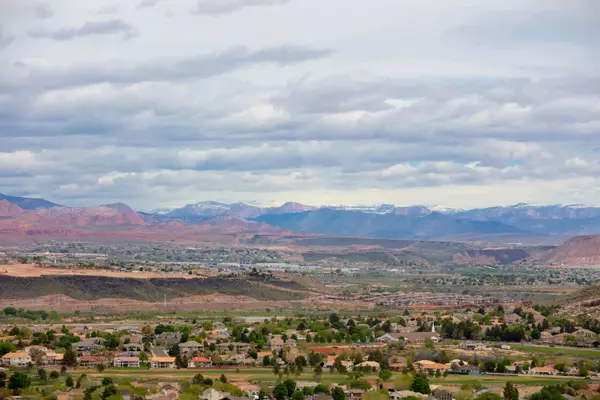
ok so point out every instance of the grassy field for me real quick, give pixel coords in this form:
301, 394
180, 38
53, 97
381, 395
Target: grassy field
559, 351
264, 375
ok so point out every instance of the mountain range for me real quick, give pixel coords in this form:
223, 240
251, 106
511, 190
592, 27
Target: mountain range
378, 221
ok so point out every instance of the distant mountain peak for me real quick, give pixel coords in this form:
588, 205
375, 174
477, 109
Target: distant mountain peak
28, 203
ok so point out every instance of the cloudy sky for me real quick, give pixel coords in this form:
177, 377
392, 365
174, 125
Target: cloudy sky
165, 102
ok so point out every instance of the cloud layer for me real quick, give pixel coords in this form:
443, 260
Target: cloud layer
325, 102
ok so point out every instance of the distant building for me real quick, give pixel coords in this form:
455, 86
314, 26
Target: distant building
162, 362
16, 359
167, 338
421, 337
200, 362
91, 361
189, 348
126, 362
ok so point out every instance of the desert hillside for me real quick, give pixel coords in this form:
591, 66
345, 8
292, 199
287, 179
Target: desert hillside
580, 250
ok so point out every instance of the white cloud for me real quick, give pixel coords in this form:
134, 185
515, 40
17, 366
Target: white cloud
464, 101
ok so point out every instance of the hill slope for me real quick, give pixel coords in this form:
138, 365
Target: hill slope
580, 250
152, 290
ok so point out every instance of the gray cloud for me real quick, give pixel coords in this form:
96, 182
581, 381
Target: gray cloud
148, 3
221, 7
199, 67
108, 10
5, 41
110, 27
43, 11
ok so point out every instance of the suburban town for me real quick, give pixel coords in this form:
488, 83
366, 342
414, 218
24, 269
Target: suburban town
460, 354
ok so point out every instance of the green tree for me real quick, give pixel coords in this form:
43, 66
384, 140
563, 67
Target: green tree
106, 381
535, 334
320, 388
385, 374
223, 378
54, 375
6, 347
290, 385
298, 395
464, 394
70, 358
109, 391
510, 392
338, 393
69, 381
174, 350
42, 374
3, 377
488, 396
421, 384
403, 382
334, 318
198, 379
18, 381
280, 391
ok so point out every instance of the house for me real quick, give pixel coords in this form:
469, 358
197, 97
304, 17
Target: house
329, 362
472, 345
167, 338
354, 394
190, 348
212, 394
545, 336
16, 359
162, 362
431, 366
200, 362
238, 347
240, 359
89, 345
400, 394
512, 319
398, 366
543, 371
126, 362
467, 370
388, 337
276, 343
369, 365
91, 361
133, 349
248, 388
441, 394
421, 337
34, 349
52, 358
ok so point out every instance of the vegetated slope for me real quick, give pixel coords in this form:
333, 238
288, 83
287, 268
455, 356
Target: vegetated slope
584, 301
579, 250
387, 226
95, 287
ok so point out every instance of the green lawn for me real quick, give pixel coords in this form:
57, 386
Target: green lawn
264, 375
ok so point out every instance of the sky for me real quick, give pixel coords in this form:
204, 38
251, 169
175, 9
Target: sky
161, 103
